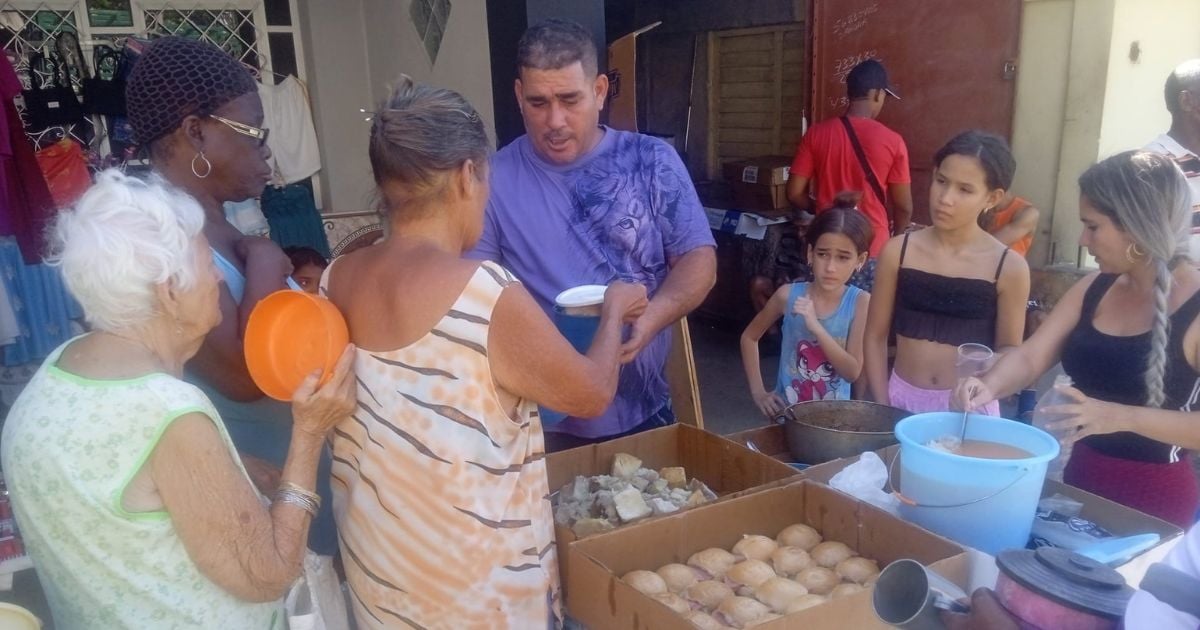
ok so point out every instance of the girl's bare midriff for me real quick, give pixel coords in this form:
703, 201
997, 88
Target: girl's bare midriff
926, 364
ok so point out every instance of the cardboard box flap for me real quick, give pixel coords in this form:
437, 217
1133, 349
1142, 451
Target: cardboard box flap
622, 80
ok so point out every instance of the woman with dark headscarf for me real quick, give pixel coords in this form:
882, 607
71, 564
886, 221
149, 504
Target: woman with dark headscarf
197, 111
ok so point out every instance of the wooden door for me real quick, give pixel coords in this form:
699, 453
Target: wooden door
953, 63
756, 104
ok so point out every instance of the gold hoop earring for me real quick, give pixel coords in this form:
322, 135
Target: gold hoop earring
208, 164
1133, 252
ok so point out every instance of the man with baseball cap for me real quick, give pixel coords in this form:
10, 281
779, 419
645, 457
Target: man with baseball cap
854, 155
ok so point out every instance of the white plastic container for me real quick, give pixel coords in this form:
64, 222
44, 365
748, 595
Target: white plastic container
1041, 418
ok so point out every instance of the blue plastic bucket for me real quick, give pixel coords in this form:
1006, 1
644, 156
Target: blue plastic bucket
576, 315
988, 504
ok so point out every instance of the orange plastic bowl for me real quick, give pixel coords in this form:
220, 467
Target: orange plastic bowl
290, 334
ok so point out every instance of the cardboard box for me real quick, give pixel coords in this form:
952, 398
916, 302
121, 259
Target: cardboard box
759, 183
622, 81
744, 224
602, 600
1114, 517
728, 469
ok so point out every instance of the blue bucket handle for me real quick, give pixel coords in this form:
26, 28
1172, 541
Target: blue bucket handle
891, 487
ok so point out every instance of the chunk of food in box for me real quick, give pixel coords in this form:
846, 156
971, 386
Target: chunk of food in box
590, 505
759, 580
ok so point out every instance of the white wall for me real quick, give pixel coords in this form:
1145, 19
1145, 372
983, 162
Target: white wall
336, 57
354, 51
1083, 115
1081, 98
1040, 108
1166, 33
463, 63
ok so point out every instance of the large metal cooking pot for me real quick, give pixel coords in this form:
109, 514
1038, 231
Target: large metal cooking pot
823, 430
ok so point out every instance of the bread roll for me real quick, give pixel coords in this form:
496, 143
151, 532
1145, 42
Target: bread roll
647, 582
739, 611
799, 535
674, 602
755, 547
750, 573
708, 594
818, 580
844, 589
829, 554
790, 560
778, 592
677, 576
714, 561
857, 570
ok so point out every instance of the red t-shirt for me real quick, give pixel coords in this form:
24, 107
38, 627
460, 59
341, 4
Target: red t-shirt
826, 158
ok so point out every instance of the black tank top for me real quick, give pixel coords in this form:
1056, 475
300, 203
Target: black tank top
945, 309
1110, 368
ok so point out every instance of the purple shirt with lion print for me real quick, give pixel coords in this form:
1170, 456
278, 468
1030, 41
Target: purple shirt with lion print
622, 211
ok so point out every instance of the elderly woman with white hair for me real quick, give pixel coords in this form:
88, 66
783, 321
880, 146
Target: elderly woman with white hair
133, 503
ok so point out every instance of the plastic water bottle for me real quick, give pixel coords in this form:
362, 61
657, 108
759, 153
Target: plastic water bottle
1041, 418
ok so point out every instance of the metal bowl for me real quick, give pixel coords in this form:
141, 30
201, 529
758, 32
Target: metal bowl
823, 430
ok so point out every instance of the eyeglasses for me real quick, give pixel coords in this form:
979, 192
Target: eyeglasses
244, 129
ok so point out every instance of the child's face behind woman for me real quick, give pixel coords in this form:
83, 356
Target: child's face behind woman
959, 193
834, 259
308, 277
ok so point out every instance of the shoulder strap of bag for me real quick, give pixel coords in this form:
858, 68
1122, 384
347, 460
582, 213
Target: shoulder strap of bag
37, 64
862, 161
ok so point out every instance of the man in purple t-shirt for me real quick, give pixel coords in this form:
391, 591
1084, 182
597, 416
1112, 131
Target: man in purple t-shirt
573, 202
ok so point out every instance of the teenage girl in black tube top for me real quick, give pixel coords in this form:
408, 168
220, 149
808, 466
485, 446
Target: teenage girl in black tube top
1129, 338
946, 285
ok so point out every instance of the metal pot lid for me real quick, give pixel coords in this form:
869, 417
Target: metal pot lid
1069, 579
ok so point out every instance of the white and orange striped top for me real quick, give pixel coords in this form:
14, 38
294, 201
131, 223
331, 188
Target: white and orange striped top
440, 494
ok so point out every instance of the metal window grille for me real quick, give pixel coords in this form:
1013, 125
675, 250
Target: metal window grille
240, 27
26, 28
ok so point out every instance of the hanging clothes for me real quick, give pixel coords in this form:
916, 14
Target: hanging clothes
293, 216
28, 205
44, 309
65, 170
293, 139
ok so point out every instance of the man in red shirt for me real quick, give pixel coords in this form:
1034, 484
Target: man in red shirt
828, 159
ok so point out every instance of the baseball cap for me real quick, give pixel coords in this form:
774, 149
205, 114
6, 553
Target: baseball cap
868, 75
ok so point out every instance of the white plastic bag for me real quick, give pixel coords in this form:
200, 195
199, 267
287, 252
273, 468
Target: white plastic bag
315, 601
865, 480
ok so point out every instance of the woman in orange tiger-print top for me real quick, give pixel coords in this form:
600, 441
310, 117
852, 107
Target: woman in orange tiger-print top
439, 478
